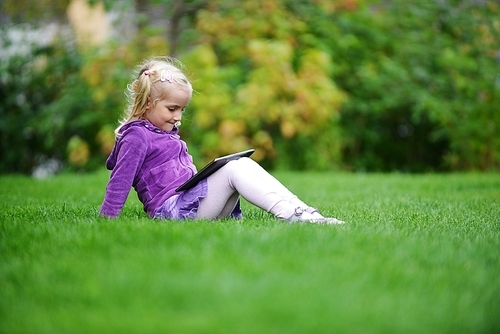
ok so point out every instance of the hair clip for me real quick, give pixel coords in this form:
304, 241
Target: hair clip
166, 76
146, 72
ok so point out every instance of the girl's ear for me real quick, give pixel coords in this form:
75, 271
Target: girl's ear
149, 103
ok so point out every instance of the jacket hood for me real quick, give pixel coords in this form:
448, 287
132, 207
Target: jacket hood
122, 132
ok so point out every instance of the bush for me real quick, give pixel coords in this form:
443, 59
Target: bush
61, 103
259, 87
353, 84
29, 84
422, 81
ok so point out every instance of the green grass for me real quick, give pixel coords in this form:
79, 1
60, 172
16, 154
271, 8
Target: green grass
419, 254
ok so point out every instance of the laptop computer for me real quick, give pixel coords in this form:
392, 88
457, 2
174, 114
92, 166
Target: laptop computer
212, 167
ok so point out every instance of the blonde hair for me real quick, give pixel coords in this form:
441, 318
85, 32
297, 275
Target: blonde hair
152, 84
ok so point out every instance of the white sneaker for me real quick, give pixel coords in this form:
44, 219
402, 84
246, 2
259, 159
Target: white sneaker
312, 215
323, 220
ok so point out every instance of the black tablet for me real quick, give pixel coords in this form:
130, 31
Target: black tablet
213, 166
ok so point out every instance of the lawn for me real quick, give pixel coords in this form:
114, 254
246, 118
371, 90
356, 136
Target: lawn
419, 254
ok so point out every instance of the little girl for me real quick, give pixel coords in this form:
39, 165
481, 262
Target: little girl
150, 156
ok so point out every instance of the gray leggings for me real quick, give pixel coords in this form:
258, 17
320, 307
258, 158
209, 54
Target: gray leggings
247, 178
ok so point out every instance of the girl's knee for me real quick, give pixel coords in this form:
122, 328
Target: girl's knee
231, 168
239, 166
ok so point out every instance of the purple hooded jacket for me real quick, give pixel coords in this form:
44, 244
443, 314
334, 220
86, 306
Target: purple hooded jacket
155, 163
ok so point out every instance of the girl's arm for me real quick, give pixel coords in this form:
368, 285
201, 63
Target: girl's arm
131, 151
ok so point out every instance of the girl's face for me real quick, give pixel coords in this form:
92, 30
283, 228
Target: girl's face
165, 113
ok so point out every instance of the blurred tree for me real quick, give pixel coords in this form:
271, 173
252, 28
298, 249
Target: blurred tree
364, 84
408, 107
29, 84
175, 18
22, 11
280, 98
180, 11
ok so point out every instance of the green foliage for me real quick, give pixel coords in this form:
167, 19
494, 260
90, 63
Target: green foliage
22, 11
61, 102
278, 98
353, 84
46, 104
405, 69
419, 253
422, 79
29, 85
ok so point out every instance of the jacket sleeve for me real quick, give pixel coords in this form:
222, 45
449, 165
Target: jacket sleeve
130, 152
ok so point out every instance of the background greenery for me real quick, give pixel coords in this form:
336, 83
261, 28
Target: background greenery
360, 85
419, 254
